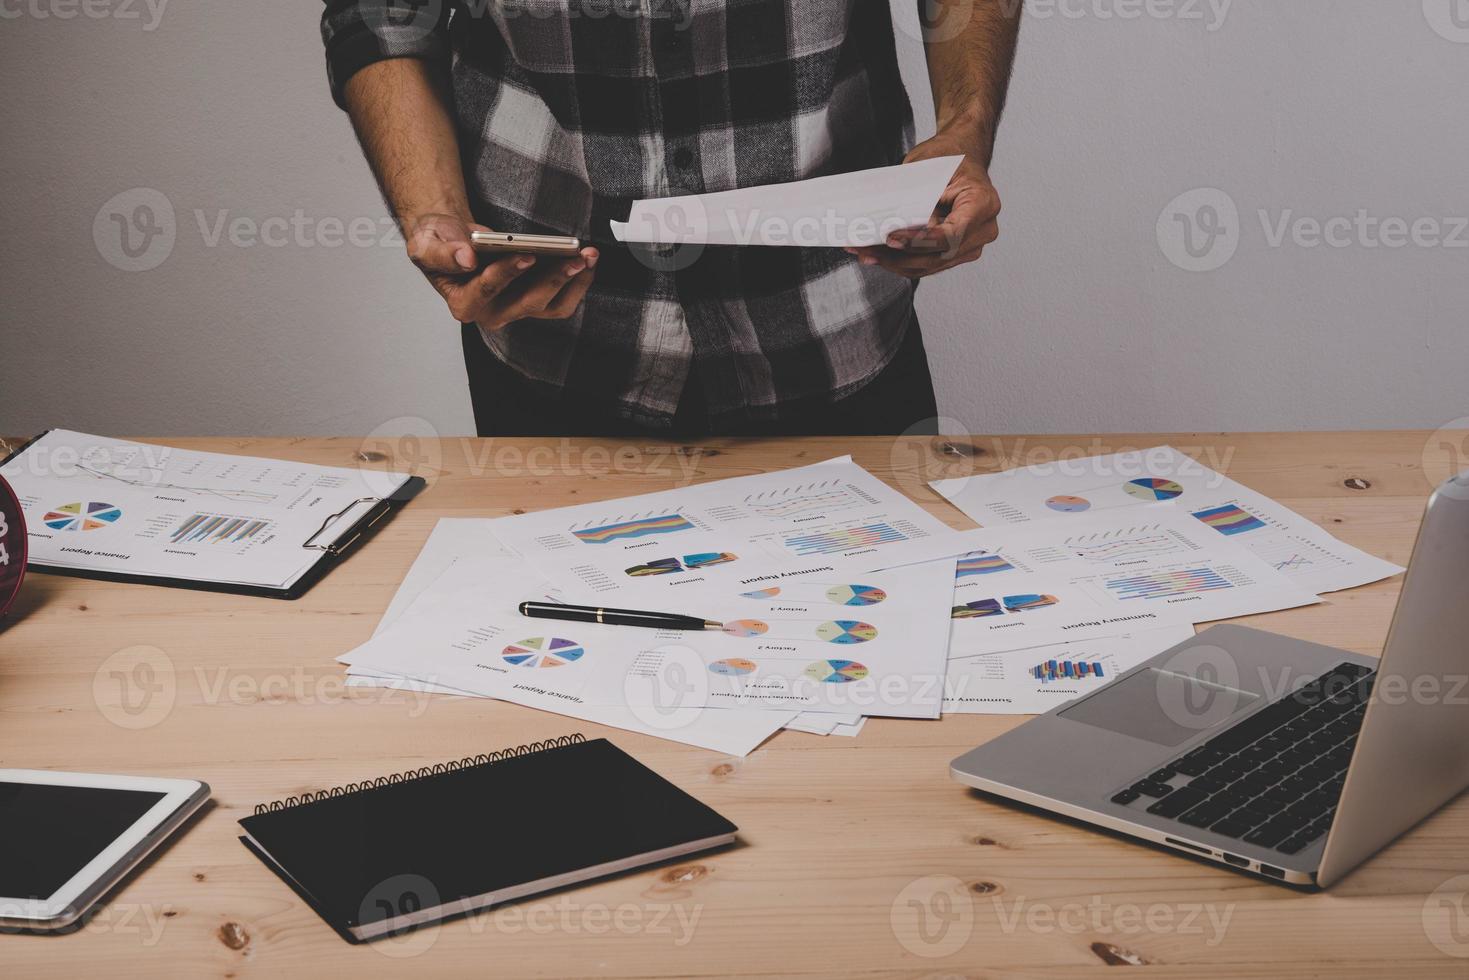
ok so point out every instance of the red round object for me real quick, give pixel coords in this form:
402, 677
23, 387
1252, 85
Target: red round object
12, 546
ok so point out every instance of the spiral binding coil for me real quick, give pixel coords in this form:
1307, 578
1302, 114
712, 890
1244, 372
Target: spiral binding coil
437, 769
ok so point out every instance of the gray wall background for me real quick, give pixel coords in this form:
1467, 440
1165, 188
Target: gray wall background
1136, 285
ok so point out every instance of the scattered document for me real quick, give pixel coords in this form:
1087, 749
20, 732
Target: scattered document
774, 652
1071, 489
432, 647
841, 210
453, 538
813, 723
668, 550
98, 504
1105, 574
823, 724
1032, 682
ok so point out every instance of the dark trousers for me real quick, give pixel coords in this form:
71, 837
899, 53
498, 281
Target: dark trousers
899, 400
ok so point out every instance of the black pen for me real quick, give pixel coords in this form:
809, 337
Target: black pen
617, 617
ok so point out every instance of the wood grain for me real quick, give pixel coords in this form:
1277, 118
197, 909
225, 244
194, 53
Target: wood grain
843, 842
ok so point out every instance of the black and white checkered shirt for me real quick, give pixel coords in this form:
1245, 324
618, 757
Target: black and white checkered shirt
569, 110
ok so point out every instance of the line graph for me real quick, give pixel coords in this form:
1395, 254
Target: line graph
1293, 554
1139, 541
237, 494
825, 496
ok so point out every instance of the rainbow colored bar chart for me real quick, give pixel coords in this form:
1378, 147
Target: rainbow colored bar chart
1156, 585
844, 539
217, 529
1055, 670
1230, 519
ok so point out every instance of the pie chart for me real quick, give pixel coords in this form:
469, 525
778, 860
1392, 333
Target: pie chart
846, 631
1152, 488
85, 516
733, 667
836, 671
1068, 504
769, 593
856, 595
746, 627
543, 651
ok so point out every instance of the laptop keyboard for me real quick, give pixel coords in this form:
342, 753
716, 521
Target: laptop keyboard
1273, 779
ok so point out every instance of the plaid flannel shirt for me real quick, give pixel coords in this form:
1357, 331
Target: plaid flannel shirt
569, 110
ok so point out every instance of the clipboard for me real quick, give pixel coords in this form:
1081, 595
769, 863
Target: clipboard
332, 544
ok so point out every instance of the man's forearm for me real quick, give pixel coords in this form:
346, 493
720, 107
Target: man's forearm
400, 108
969, 66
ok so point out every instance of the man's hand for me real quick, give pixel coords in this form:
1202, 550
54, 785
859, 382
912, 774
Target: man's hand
503, 290
965, 221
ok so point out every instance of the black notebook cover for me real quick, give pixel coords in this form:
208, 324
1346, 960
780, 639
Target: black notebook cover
403, 850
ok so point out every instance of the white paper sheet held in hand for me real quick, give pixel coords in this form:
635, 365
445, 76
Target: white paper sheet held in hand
852, 209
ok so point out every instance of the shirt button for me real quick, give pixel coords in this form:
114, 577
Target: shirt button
683, 157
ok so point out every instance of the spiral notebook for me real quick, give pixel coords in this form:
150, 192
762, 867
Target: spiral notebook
397, 852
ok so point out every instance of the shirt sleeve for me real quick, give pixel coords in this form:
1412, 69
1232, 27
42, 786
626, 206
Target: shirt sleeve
358, 33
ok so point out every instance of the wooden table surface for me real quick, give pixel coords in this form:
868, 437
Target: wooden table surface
858, 857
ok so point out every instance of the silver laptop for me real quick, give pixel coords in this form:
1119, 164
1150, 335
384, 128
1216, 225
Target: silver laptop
1273, 755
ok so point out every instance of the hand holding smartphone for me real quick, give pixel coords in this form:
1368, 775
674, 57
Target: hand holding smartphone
500, 241
495, 278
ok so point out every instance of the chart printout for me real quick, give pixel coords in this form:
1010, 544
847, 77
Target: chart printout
139, 509
1033, 681
1074, 488
874, 647
1102, 575
831, 518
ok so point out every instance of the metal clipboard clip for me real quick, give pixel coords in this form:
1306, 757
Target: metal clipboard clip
338, 546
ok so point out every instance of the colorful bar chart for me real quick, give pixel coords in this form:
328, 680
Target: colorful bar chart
1055, 670
1156, 585
217, 529
1230, 519
844, 539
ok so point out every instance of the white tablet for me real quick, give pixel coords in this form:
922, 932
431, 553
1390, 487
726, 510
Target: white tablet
67, 837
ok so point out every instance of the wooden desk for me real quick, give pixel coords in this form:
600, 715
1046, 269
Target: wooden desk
840, 836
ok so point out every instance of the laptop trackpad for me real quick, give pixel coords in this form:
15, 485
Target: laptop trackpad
1160, 706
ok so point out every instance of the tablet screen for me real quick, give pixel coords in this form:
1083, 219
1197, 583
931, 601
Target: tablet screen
49, 833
